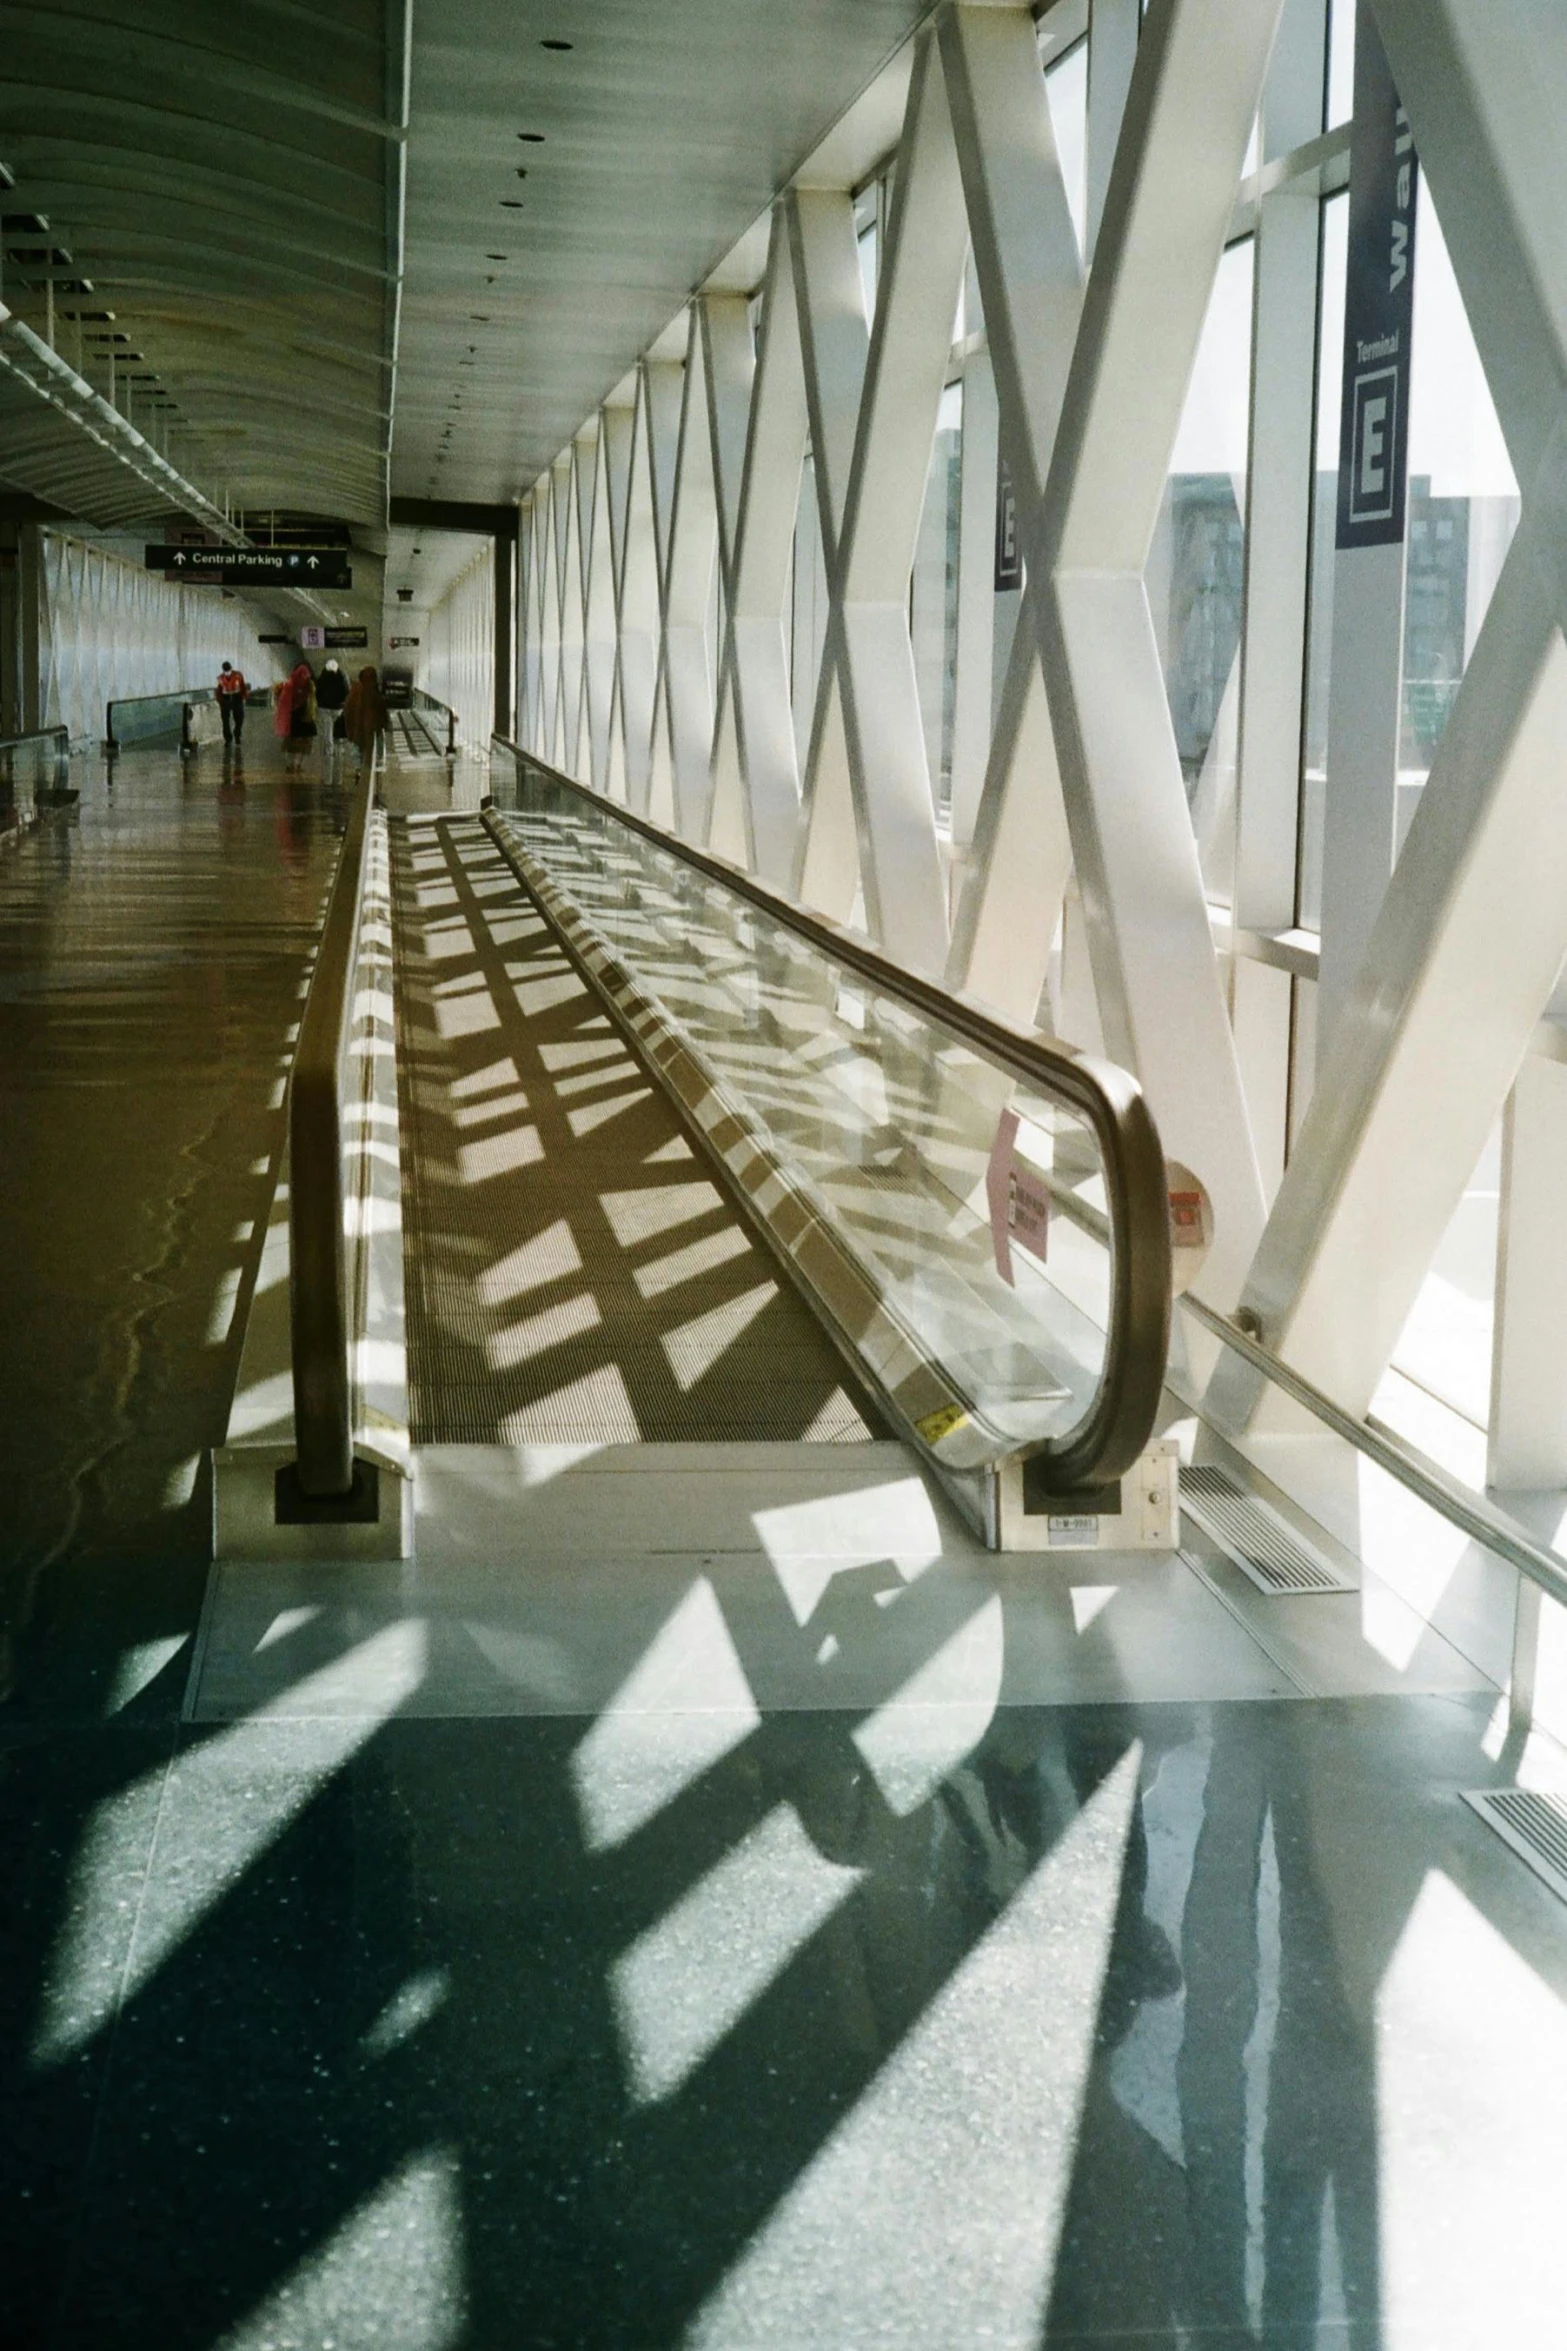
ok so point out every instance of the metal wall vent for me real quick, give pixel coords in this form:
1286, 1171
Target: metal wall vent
1534, 1825
1252, 1534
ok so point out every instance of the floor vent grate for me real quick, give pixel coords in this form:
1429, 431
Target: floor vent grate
1534, 1825
1253, 1535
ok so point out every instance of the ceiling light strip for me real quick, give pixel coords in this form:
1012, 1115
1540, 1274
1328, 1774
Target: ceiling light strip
28, 360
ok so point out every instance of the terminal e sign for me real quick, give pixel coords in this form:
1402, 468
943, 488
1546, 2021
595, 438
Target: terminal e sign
253, 567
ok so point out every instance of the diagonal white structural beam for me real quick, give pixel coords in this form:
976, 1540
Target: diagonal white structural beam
1473, 928
654, 421
834, 349
599, 606
756, 785
1031, 283
868, 663
1194, 95
688, 588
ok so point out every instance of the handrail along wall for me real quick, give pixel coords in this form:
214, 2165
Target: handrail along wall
320, 1309
1119, 1422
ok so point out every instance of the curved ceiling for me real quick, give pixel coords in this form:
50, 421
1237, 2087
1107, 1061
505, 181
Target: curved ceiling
224, 199
224, 182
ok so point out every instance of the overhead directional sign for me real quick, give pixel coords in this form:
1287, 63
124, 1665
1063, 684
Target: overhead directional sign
251, 567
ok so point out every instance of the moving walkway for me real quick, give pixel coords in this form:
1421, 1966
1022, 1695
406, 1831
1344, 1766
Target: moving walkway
676, 1161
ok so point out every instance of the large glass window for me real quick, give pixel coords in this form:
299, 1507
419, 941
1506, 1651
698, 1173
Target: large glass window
1196, 567
933, 595
1463, 506
1324, 521
1462, 511
1066, 87
1341, 62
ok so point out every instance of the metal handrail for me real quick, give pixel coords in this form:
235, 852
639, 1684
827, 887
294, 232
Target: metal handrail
183, 696
1121, 1418
59, 736
60, 740
1469, 1512
320, 1313
419, 700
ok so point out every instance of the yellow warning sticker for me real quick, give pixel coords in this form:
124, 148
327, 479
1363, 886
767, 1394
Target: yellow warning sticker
940, 1423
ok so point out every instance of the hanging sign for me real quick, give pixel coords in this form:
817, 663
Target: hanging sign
1019, 1200
346, 640
249, 567
1379, 304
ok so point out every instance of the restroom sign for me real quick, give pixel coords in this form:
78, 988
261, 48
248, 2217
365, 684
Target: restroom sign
1379, 290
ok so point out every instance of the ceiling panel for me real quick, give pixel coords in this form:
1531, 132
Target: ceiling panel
653, 140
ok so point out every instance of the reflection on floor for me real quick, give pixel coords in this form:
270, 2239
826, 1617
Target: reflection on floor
1138, 2025
153, 945
573, 1273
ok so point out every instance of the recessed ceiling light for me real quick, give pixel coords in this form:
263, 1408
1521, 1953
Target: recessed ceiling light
557, 44
480, 318
522, 171
497, 257
532, 138
511, 203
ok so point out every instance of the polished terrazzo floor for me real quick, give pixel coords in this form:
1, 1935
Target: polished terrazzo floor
1149, 2025
1210, 2020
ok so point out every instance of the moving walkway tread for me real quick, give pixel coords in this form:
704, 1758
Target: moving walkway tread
575, 1272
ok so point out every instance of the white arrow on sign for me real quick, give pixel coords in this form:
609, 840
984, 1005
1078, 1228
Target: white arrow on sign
178, 557
313, 564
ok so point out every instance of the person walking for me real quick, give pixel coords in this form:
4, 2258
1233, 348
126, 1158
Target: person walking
331, 693
364, 716
230, 692
293, 711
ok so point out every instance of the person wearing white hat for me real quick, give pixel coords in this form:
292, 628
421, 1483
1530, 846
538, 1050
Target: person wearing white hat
331, 694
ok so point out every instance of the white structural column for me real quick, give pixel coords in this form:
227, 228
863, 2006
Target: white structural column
528, 642
1529, 1363
568, 556
618, 437
972, 700
641, 597
834, 348
1031, 283
549, 618
729, 365
688, 588
1195, 91
868, 641
756, 810
1360, 800
599, 608
1278, 548
1472, 930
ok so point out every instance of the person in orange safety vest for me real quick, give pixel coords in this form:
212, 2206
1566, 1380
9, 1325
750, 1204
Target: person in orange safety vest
231, 690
